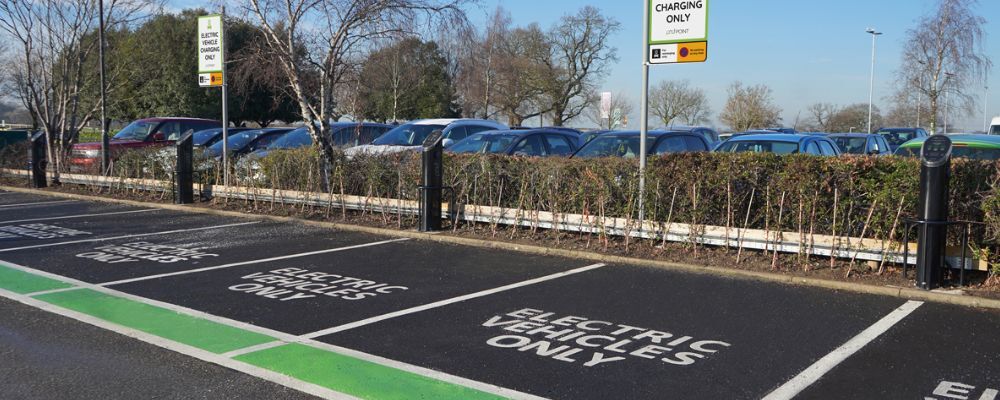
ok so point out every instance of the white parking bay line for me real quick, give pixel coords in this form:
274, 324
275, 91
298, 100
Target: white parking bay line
38, 246
263, 260
441, 303
78, 216
37, 203
821, 367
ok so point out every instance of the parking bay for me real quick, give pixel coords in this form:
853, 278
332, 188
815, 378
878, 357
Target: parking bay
658, 333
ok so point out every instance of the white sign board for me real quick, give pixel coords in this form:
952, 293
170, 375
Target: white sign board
210, 54
677, 21
605, 105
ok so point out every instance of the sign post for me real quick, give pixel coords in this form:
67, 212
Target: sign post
212, 72
672, 32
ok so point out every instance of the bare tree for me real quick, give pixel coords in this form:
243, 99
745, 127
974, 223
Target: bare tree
853, 118
618, 111
333, 32
54, 40
945, 55
519, 83
749, 107
479, 57
821, 114
677, 100
580, 57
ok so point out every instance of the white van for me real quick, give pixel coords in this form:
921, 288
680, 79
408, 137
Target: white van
995, 126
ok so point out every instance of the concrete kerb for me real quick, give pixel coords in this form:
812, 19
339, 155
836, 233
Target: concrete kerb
898, 292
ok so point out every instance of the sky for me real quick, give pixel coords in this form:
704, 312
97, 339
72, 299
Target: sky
807, 51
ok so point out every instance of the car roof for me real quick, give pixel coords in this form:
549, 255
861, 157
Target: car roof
773, 137
656, 133
967, 139
897, 129
858, 135
524, 132
161, 119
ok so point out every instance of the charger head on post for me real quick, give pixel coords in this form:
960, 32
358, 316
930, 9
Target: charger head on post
936, 151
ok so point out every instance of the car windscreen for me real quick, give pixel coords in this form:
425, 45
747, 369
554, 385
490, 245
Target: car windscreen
294, 139
236, 142
137, 130
896, 138
995, 130
613, 146
480, 143
957, 151
407, 135
759, 146
206, 138
852, 145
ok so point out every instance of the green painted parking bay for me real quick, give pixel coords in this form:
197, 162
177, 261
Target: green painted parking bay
318, 292
142, 256
627, 332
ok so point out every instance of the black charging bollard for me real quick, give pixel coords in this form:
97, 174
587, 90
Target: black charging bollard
38, 161
185, 169
935, 164
430, 192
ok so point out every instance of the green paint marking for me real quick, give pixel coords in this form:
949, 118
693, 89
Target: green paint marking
356, 377
192, 331
21, 282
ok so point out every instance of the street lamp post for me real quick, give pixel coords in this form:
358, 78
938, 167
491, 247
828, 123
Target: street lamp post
986, 109
871, 86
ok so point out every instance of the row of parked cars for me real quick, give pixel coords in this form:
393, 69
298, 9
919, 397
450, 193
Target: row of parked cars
484, 136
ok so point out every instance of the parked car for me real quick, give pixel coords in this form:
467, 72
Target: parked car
411, 135
782, 130
780, 143
898, 136
344, 134
586, 137
144, 133
970, 146
995, 126
533, 142
710, 134
626, 144
247, 142
208, 137
861, 143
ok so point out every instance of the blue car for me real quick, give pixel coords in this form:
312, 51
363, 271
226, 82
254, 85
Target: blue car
780, 143
861, 143
246, 142
532, 142
345, 134
208, 137
626, 144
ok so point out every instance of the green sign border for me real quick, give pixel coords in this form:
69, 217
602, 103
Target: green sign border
649, 27
222, 40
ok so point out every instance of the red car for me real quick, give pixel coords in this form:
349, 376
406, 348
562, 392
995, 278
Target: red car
149, 132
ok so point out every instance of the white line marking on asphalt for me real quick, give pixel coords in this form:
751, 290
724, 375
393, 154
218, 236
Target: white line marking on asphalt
254, 349
816, 371
203, 355
436, 304
45, 292
78, 216
128, 236
35, 203
263, 260
281, 336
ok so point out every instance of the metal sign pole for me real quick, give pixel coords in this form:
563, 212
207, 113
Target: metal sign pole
105, 140
225, 108
643, 115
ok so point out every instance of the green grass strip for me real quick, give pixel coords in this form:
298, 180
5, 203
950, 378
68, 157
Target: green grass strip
356, 377
196, 332
21, 282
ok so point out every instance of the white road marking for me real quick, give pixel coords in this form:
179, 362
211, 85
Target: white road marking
203, 355
441, 303
79, 216
248, 369
822, 366
37, 246
36, 203
263, 260
255, 348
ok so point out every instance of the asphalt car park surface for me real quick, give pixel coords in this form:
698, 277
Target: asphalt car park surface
377, 317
